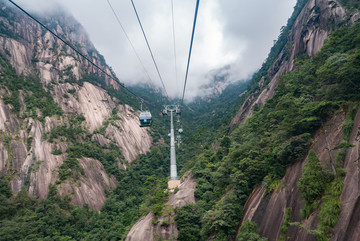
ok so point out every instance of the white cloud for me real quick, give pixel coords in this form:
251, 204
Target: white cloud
238, 33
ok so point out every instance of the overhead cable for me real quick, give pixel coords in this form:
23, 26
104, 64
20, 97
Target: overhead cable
73, 48
191, 43
148, 45
173, 27
127, 36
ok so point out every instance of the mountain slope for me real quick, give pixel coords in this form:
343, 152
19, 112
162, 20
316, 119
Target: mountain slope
284, 117
55, 106
287, 199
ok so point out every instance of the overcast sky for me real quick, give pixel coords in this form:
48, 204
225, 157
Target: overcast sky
234, 33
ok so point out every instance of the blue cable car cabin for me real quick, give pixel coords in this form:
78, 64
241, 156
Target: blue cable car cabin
145, 118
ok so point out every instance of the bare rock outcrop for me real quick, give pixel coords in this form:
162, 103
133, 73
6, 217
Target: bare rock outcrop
88, 100
8, 121
90, 188
19, 54
166, 227
143, 229
96, 106
132, 139
348, 226
33, 163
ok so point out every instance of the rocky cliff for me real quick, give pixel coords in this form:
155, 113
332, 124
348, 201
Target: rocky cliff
268, 210
347, 227
34, 139
164, 227
278, 213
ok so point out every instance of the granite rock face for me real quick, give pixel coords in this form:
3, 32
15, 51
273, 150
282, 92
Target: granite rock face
25, 150
268, 210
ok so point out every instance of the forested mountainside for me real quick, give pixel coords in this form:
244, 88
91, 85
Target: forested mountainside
61, 121
281, 167
286, 170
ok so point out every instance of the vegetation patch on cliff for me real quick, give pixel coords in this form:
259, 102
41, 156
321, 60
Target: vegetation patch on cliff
312, 183
36, 98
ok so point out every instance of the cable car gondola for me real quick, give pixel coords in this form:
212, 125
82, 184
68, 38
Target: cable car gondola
145, 118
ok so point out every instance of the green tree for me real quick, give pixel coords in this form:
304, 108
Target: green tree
249, 231
313, 180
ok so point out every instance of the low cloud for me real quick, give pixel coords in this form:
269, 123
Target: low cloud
233, 33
